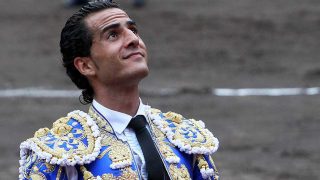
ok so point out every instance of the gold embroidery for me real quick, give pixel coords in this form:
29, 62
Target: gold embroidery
103, 124
188, 134
104, 142
175, 117
61, 132
63, 140
166, 151
49, 168
59, 173
216, 173
37, 176
179, 173
107, 139
61, 129
202, 163
101, 155
119, 153
155, 111
127, 174
41, 132
159, 135
163, 146
87, 175
192, 134
35, 168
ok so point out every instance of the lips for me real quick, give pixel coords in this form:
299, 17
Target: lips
133, 54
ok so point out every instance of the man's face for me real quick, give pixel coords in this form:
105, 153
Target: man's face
118, 53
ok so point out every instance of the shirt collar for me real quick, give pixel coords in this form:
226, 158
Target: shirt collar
118, 120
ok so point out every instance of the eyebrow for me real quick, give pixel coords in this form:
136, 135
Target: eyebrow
131, 23
116, 25
111, 26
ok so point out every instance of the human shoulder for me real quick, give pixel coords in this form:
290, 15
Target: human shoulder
73, 139
189, 135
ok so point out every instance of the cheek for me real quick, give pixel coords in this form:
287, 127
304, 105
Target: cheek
96, 51
104, 53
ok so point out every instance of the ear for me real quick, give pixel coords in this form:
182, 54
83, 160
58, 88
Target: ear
85, 66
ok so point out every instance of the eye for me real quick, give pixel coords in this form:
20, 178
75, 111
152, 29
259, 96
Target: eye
112, 35
134, 30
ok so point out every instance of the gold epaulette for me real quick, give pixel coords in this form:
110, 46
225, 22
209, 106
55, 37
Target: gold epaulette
74, 139
188, 135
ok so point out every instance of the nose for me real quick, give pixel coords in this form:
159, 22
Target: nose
132, 39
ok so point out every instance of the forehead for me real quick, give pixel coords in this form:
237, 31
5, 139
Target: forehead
102, 18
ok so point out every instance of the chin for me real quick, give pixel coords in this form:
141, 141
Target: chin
137, 71
134, 77
143, 72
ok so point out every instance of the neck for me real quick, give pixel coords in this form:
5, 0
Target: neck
125, 100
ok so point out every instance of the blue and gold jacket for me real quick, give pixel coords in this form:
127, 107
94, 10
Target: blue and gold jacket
87, 142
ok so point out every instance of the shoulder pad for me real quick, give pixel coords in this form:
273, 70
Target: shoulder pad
74, 139
188, 135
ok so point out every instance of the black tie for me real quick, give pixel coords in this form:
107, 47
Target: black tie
154, 163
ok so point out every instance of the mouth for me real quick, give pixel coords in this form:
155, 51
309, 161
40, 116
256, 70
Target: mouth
133, 54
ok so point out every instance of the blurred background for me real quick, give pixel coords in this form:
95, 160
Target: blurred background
193, 46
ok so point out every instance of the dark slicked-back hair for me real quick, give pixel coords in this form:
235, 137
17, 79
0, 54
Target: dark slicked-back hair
76, 41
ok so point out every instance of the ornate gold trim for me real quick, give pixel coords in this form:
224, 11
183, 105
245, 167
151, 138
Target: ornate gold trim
102, 124
181, 173
60, 127
59, 173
